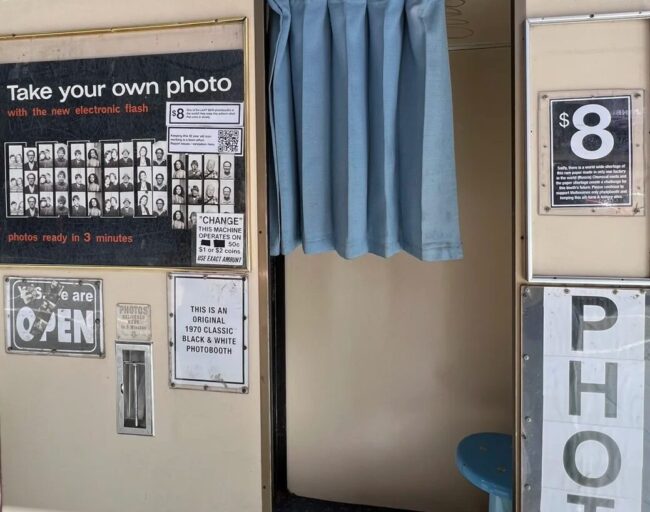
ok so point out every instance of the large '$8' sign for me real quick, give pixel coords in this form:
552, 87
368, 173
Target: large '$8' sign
584, 400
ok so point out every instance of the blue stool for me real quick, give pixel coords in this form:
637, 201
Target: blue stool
486, 461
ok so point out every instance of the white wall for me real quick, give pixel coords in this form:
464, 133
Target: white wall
390, 363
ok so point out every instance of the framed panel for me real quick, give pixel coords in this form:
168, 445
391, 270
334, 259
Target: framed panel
591, 169
587, 220
585, 408
54, 316
105, 156
208, 332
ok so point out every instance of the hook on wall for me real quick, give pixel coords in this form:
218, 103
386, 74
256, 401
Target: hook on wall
457, 24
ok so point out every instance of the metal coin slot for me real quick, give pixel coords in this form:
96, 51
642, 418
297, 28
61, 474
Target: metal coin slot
134, 393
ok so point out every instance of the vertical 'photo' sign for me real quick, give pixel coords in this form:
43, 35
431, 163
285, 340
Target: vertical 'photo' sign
584, 442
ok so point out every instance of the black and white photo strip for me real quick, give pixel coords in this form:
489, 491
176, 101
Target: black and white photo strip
117, 179
202, 183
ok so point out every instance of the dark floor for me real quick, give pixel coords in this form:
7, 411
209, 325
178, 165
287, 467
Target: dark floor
291, 503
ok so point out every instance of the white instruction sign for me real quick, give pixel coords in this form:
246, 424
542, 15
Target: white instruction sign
208, 324
204, 113
220, 239
134, 322
201, 139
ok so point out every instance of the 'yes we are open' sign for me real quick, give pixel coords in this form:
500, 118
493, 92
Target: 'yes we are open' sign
584, 443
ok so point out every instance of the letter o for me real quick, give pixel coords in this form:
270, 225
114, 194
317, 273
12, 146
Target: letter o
613, 459
24, 321
118, 87
227, 84
203, 85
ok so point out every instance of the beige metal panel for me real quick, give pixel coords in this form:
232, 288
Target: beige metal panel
522, 10
604, 55
390, 363
535, 8
60, 447
58, 425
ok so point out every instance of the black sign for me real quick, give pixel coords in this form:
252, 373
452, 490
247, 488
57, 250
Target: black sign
61, 316
591, 155
91, 176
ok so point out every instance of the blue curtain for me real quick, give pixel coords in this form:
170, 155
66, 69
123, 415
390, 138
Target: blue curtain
361, 129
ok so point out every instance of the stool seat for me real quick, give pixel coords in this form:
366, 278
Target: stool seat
485, 459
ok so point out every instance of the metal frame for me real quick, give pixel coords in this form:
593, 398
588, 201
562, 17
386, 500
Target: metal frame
120, 347
248, 119
530, 166
176, 383
9, 281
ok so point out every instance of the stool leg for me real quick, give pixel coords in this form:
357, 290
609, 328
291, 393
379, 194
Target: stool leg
498, 504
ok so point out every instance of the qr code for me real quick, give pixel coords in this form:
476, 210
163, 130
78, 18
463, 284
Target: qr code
229, 141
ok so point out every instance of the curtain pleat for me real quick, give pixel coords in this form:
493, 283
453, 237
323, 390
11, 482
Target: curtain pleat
361, 129
385, 23
284, 194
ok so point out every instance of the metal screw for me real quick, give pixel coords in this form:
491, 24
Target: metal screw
173, 384
244, 390
614, 291
528, 419
544, 96
547, 208
527, 487
526, 357
205, 388
171, 343
171, 315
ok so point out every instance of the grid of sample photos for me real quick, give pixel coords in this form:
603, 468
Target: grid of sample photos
104, 179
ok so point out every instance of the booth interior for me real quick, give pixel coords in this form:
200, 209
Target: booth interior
391, 362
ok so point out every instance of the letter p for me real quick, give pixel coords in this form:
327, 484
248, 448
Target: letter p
579, 325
